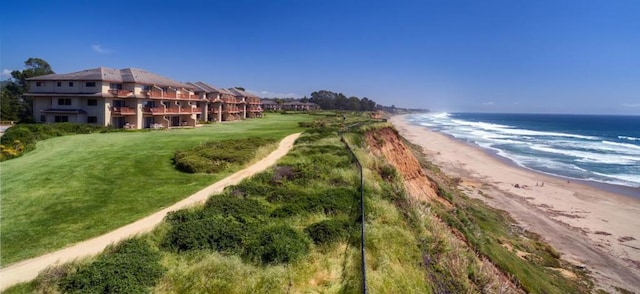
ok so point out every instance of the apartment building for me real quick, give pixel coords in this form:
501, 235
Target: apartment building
252, 107
222, 104
135, 99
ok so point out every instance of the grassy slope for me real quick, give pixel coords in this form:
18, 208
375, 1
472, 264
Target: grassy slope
75, 187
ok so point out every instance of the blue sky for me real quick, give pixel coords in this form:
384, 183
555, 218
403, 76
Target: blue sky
554, 56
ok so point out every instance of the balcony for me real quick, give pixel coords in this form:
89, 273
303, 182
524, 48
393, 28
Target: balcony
172, 110
123, 110
120, 93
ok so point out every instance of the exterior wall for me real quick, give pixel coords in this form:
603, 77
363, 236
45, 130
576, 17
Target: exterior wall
77, 88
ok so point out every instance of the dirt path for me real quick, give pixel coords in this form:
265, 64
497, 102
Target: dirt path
28, 269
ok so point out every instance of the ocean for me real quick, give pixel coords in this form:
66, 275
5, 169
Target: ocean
603, 149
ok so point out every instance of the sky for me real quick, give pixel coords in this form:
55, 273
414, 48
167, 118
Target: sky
535, 56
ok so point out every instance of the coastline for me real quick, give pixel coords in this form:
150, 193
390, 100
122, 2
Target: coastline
592, 226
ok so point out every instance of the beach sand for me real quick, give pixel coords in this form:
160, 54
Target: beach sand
591, 228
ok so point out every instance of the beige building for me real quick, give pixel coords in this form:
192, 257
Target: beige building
134, 98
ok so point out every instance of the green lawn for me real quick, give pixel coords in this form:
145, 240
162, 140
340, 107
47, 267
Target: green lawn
75, 187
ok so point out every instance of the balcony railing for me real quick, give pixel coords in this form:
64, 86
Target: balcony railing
170, 95
172, 110
122, 110
120, 93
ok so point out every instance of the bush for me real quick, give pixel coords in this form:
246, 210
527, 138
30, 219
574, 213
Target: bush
130, 267
327, 231
331, 201
243, 209
225, 234
277, 244
213, 157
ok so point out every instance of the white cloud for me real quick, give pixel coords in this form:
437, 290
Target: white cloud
631, 105
269, 94
98, 49
5, 73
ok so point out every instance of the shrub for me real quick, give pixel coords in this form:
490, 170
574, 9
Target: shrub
130, 267
331, 201
327, 231
277, 244
225, 234
242, 209
213, 157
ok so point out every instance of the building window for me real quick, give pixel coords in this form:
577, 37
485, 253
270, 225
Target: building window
113, 86
90, 84
92, 119
64, 101
92, 102
39, 84
59, 84
146, 88
61, 118
70, 84
43, 118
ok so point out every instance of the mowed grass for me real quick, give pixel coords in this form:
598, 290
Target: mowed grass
76, 187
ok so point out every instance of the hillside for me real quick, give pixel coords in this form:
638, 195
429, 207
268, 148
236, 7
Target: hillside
296, 228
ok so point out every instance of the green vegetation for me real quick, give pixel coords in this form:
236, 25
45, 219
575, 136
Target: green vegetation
14, 106
295, 228
72, 188
130, 267
22, 138
214, 157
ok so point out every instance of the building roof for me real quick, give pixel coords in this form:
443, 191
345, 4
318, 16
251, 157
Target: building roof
125, 75
240, 93
202, 86
264, 101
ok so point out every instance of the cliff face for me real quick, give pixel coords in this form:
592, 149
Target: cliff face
387, 143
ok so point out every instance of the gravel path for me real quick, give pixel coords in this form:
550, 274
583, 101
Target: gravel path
28, 269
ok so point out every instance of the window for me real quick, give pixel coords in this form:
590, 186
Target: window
64, 101
92, 102
92, 119
146, 88
90, 84
39, 84
43, 118
59, 84
61, 118
70, 84
113, 86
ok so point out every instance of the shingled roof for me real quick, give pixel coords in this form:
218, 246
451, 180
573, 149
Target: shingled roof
240, 93
125, 75
202, 86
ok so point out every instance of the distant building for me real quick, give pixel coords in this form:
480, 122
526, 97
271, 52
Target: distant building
125, 98
251, 103
222, 104
270, 105
300, 106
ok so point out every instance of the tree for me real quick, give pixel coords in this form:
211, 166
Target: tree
14, 105
240, 88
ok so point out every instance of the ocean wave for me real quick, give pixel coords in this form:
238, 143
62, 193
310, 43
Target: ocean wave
624, 145
622, 179
504, 129
589, 157
628, 138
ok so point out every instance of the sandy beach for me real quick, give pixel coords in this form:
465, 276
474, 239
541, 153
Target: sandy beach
592, 228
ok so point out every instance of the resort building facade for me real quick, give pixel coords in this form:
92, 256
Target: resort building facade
134, 98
